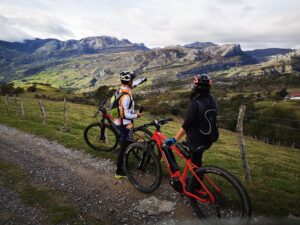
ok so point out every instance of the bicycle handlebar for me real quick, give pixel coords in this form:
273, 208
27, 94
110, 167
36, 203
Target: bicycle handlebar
158, 122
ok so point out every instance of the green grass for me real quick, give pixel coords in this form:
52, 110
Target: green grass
53, 203
61, 77
290, 105
274, 189
48, 91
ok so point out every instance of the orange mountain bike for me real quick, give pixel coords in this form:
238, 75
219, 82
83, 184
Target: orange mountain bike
216, 196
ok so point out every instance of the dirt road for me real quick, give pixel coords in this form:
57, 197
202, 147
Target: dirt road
87, 182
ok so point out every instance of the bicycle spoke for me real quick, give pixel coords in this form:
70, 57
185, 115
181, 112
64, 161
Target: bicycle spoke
142, 167
100, 138
135, 153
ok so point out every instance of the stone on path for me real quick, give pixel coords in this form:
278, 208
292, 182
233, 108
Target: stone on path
154, 206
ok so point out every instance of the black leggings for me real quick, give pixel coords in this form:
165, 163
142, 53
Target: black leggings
197, 153
125, 140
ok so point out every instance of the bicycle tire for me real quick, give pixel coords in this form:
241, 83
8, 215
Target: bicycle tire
146, 169
203, 210
146, 136
91, 137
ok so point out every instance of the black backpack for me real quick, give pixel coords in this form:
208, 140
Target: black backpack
208, 125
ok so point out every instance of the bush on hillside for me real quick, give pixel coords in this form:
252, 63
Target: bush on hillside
32, 88
8, 88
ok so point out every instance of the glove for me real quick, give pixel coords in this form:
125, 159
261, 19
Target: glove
170, 141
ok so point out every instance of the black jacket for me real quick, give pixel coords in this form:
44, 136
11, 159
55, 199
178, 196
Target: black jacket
195, 113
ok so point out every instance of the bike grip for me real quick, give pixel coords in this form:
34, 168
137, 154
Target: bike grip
141, 109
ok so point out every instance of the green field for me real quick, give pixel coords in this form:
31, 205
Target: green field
274, 189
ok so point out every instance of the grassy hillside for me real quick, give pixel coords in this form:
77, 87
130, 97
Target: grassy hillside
275, 186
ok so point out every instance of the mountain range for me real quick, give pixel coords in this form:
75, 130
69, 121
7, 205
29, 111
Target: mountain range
92, 61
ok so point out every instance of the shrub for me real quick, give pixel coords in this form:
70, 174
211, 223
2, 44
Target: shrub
8, 88
32, 88
102, 92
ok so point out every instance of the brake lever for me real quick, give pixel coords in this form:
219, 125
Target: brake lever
141, 109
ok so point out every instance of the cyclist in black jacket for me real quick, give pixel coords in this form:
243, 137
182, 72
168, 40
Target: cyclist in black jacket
200, 125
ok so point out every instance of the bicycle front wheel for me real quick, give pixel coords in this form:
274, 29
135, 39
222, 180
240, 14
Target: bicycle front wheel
230, 204
142, 167
100, 137
142, 134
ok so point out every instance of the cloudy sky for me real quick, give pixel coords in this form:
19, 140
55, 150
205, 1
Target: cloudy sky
157, 23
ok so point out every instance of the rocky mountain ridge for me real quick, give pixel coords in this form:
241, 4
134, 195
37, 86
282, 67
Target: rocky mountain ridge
93, 61
107, 56
89, 45
263, 55
198, 44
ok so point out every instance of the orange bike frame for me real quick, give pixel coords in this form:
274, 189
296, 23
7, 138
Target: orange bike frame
189, 166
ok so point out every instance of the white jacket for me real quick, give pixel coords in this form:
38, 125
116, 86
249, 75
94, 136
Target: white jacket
124, 103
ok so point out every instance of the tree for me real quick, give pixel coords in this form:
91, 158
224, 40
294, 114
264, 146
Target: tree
32, 88
283, 92
279, 95
7, 88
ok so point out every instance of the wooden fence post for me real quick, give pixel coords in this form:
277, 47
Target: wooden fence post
65, 127
239, 128
43, 111
16, 108
22, 109
7, 104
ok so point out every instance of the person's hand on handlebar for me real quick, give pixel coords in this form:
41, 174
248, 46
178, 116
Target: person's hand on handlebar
178, 136
138, 115
170, 141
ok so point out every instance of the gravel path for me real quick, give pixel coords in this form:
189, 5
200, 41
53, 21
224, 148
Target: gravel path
12, 210
87, 182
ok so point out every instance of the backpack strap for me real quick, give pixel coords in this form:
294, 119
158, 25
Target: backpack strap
122, 93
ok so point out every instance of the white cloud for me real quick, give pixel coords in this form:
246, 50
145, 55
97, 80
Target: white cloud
253, 23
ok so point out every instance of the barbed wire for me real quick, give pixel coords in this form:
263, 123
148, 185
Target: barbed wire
275, 125
257, 122
275, 118
221, 117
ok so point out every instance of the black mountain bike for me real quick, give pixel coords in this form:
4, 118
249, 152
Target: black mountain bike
104, 135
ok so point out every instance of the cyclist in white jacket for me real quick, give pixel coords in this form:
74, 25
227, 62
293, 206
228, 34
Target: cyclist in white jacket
126, 117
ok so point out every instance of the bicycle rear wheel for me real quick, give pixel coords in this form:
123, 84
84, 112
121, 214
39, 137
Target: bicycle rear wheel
100, 137
232, 205
142, 167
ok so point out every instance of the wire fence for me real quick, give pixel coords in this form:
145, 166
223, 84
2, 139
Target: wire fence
272, 130
56, 112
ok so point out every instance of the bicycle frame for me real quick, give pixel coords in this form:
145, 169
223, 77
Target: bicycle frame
109, 118
189, 166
